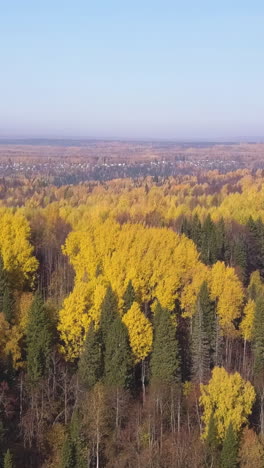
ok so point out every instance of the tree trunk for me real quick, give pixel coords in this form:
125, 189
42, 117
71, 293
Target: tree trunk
117, 410
262, 412
21, 397
97, 448
143, 377
244, 355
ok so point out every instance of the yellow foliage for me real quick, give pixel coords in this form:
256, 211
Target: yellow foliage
190, 293
23, 307
75, 320
13, 333
256, 283
159, 263
187, 388
9, 341
140, 332
128, 200
227, 290
229, 398
13, 346
217, 279
15, 248
246, 325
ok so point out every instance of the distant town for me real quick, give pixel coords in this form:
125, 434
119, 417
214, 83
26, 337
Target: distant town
69, 162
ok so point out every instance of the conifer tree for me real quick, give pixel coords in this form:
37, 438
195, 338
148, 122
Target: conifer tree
255, 244
91, 360
8, 460
203, 336
212, 443
185, 227
258, 336
118, 356
251, 226
252, 292
240, 256
228, 246
221, 239
196, 231
77, 440
260, 231
73, 447
109, 311
39, 340
68, 454
164, 362
129, 296
255, 287
8, 303
6, 294
184, 341
229, 454
208, 242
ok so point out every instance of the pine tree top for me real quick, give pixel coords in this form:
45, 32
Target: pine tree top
8, 460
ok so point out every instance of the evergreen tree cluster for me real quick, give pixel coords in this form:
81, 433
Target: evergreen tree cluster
107, 355
39, 340
240, 246
106, 351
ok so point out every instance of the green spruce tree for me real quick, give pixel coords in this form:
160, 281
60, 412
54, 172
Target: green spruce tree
220, 232
164, 363
212, 444
208, 242
258, 337
8, 303
7, 300
39, 340
68, 453
203, 336
118, 356
196, 231
240, 256
8, 460
77, 440
109, 311
229, 454
185, 227
254, 245
91, 360
129, 296
73, 450
260, 244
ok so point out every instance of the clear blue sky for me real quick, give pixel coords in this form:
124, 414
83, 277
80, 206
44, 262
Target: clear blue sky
132, 69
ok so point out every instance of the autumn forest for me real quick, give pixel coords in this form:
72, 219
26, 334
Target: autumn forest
132, 322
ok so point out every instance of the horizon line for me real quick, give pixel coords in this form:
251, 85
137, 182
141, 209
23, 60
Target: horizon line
56, 139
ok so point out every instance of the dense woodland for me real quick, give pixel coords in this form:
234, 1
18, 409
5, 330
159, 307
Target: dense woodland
132, 322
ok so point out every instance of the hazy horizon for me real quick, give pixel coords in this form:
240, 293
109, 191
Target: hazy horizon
27, 139
161, 70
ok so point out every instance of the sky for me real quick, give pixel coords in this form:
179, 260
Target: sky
132, 69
